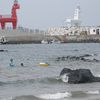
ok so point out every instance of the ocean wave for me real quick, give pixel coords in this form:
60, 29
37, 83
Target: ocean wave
82, 94
2, 83
55, 96
6, 98
48, 96
29, 97
64, 78
97, 92
45, 80
98, 75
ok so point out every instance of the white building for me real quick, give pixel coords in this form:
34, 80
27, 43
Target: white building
75, 21
82, 30
95, 31
74, 27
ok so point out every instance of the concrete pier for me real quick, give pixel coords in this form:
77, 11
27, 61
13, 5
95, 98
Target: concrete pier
18, 36
22, 36
80, 38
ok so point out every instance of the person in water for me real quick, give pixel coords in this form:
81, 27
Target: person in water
11, 63
22, 64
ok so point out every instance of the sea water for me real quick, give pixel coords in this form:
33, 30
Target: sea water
34, 82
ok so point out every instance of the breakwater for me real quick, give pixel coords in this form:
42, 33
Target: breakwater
23, 36
82, 38
79, 38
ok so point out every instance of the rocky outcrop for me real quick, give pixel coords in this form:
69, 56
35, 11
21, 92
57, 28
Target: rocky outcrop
77, 58
79, 76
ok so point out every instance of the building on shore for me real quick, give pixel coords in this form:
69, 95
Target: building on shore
73, 31
82, 30
74, 27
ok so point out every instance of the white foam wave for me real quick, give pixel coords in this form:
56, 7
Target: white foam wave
93, 92
7, 98
98, 75
64, 78
55, 96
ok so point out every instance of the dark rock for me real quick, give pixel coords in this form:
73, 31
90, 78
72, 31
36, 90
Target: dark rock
77, 58
95, 60
65, 70
76, 50
22, 64
86, 55
1, 50
79, 76
63, 58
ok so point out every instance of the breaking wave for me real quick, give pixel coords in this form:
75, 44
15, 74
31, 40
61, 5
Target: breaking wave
97, 92
55, 96
46, 80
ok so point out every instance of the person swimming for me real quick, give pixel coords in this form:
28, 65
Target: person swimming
11, 63
22, 64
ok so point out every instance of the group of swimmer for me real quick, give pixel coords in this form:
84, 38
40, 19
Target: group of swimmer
11, 64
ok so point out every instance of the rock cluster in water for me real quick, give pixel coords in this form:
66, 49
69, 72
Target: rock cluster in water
2, 50
77, 58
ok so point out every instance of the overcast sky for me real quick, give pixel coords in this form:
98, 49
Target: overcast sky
43, 14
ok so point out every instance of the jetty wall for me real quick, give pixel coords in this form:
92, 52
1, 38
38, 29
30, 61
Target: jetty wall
80, 38
20, 36
23, 36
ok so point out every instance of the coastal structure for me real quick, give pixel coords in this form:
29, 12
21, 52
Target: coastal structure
10, 18
18, 34
73, 31
75, 21
73, 27
81, 30
22, 35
